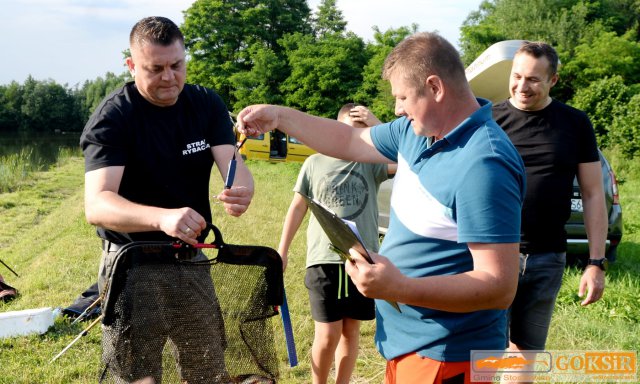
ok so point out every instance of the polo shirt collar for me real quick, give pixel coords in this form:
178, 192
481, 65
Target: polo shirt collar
477, 119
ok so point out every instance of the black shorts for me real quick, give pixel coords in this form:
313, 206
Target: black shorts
331, 300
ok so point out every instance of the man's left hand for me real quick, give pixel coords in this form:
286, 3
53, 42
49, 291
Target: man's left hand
592, 282
376, 281
236, 200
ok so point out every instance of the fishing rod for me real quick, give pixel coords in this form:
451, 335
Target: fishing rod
83, 333
9, 268
87, 310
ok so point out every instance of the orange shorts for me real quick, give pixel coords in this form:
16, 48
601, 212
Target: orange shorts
415, 369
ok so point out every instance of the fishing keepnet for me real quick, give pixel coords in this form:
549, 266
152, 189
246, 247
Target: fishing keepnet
177, 314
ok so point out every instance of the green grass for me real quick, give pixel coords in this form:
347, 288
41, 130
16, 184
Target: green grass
17, 167
46, 239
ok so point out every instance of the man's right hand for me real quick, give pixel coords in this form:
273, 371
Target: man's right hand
257, 119
183, 223
236, 200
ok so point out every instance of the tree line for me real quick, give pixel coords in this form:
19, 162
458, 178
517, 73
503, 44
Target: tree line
280, 52
44, 106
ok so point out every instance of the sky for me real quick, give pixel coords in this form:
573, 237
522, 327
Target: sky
71, 41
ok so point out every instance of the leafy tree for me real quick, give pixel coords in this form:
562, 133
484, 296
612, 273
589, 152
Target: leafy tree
374, 91
601, 101
260, 83
328, 19
283, 17
605, 55
94, 91
324, 73
618, 16
561, 23
47, 107
625, 129
214, 32
10, 102
479, 31
218, 34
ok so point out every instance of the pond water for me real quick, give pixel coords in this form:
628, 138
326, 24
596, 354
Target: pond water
44, 148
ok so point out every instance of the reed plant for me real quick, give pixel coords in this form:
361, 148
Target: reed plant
17, 167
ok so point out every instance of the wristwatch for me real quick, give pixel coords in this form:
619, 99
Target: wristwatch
601, 263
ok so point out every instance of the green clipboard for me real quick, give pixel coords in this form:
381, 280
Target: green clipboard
341, 233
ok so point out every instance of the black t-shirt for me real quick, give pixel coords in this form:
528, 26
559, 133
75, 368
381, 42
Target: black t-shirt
166, 151
552, 142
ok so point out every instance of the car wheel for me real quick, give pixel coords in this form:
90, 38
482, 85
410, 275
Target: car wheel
612, 253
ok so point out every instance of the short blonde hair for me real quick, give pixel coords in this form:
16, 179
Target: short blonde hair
422, 55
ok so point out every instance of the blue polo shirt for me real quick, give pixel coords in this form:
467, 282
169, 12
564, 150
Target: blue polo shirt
467, 187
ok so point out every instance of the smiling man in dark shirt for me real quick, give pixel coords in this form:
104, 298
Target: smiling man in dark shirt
556, 143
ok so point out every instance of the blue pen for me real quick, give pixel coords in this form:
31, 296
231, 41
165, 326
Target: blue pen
231, 172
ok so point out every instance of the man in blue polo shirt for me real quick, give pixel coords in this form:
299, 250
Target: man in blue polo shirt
451, 250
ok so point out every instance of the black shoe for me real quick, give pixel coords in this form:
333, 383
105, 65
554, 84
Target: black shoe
84, 301
7, 292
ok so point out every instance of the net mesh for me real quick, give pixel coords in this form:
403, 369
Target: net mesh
191, 316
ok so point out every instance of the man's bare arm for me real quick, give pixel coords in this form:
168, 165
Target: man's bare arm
595, 221
490, 285
292, 221
236, 199
104, 207
326, 136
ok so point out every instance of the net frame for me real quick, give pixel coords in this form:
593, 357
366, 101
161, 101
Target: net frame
250, 354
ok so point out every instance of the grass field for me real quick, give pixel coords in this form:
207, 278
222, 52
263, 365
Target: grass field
45, 238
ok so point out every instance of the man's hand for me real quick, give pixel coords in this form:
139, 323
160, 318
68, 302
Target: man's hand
592, 282
374, 280
257, 119
490, 285
183, 223
363, 114
236, 200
